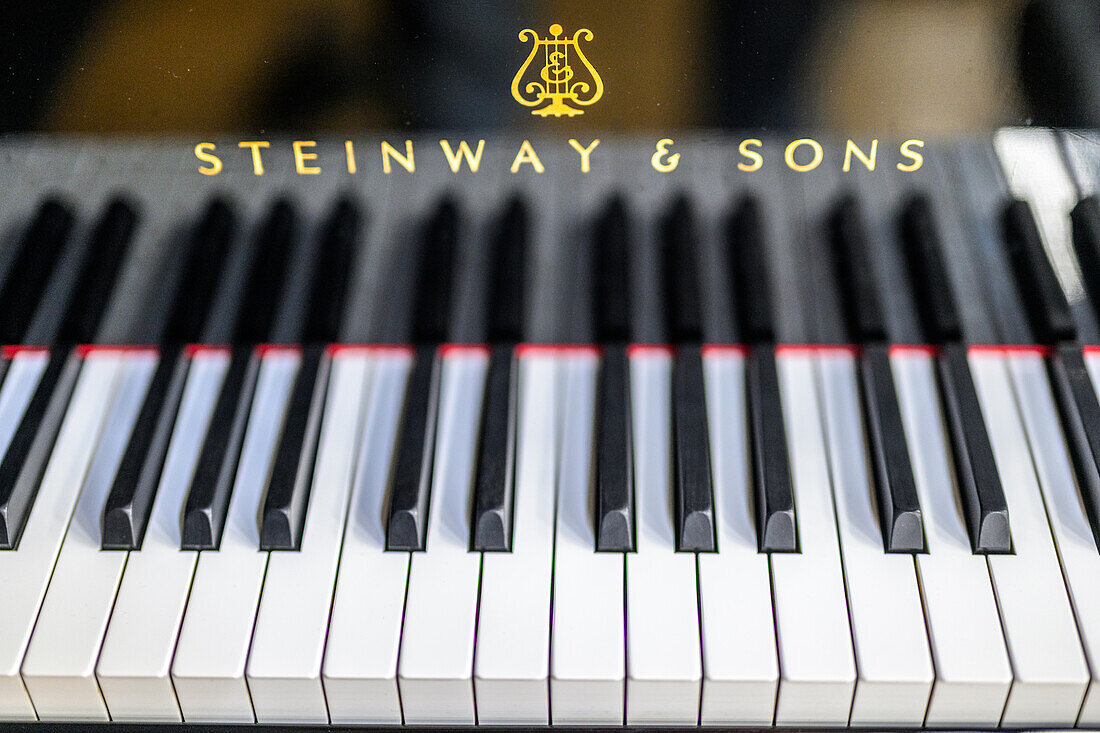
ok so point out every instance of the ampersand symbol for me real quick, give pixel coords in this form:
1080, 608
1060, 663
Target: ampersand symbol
556, 73
659, 161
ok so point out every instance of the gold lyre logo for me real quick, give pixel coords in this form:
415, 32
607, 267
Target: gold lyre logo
557, 83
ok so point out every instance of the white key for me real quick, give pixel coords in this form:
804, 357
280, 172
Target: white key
512, 660
884, 604
1050, 675
972, 670
360, 664
741, 673
209, 667
1035, 171
24, 372
59, 669
663, 656
1072, 535
25, 571
588, 650
435, 670
1077, 548
136, 657
284, 665
817, 669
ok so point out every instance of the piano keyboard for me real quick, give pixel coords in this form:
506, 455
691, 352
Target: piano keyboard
626, 447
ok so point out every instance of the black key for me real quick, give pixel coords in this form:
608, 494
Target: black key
695, 530
205, 264
494, 482
70, 315
495, 475
692, 500
126, 512
492, 310
614, 455
338, 240
1044, 301
975, 469
979, 482
101, 263
855, 273
129, 503
775, 513
24, 461
1086, 243
611, 280
412, 473
899, 508
208, 498
509, 275
1080, 413
750, 278
614, 469
437, 255
924, 256
37, 252
680, 270
264, 284
291, 475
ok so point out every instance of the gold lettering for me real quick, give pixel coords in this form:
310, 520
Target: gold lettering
455, 159
658, 160
300, 158
205, 153
586, 153
868, 162
788, 155
405, 161
527, 154
349, 153
254, 146
917, 158
755, 157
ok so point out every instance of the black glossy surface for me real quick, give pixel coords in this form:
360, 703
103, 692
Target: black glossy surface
211, 486
494, 486
895, 486
1044, 302
776, 530
928, 274
284, 509
20, 470
694, 495
99, 267
407, 521
1080, 416
37, 252
855, 276
614, 455
130, 501
979, 483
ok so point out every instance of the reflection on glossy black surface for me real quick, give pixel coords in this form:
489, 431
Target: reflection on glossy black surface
129, 66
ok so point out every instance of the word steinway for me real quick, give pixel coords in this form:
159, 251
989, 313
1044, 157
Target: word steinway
801, 156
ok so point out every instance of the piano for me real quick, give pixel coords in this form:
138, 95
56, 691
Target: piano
618, 447
527, 366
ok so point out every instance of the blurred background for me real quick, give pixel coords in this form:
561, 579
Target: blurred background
239, 66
